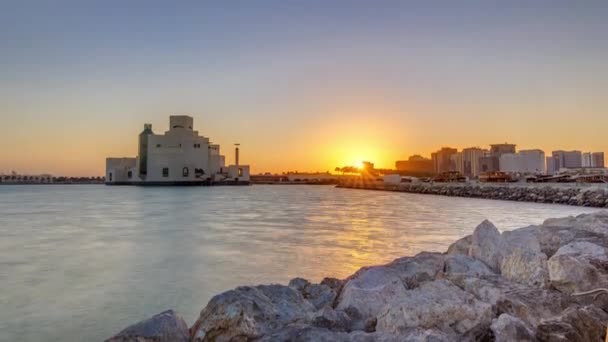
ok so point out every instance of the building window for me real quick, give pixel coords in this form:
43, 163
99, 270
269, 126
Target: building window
110, 176
130, 174
158, 145
197, 145
185, 172
165, 172
240, 172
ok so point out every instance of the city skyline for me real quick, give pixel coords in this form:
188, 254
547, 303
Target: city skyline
303, 86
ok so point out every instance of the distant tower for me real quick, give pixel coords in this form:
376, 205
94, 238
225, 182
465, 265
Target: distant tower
236, 154
143, 150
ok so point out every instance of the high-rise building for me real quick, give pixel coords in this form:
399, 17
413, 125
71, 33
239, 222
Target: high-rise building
442, 160
567, 159
551, 163
597, 159
490, 162
415, 163
456, 159
586, 159
471, 158
500, 149
525, 161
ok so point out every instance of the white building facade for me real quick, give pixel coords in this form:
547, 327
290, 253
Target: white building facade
524, 161
179, 156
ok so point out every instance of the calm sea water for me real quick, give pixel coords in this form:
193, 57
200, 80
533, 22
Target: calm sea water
81, 262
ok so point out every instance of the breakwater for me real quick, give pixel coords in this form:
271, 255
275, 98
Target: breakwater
565, 193
519, 285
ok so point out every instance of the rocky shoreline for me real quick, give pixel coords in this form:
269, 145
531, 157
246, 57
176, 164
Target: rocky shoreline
488, 286
568, 194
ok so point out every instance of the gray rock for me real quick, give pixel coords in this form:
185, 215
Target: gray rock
579, 266
167, 326
251, 312
575, 324
461, 246
464, 266
486, 245
320, 295
421, 268
522, 258
370, 289
299, 333
507, 328
333, 283
298, 284
595, 222
438, 305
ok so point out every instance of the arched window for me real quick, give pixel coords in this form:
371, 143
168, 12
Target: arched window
185, 172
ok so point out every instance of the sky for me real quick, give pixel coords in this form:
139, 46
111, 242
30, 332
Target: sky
302, 85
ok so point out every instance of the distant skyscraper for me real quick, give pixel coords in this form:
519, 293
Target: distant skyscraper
471, 158
551, 165
597, 159
586, 159
490, 162
500, 149
442, 160
568, 159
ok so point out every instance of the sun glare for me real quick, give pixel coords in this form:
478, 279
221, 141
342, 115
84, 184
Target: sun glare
359, 164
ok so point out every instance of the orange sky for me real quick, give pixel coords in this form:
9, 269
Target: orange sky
302, 86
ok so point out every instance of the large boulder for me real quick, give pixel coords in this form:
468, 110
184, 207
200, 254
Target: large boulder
486, 245
575, 324
319, 295
579, 266
594, 222
251, 312
370, 289
461, 246
507, 328
303, 333
522, 258
437, 305
458, 265
167, 326
421, 268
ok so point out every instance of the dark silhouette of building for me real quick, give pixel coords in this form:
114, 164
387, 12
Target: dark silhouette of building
416, 164
443, 161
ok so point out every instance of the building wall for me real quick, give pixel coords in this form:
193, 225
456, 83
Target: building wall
117, 170
568, 159
415, 163
597, 159
178, 150
442, 160
525, 161
586, 159
471, 161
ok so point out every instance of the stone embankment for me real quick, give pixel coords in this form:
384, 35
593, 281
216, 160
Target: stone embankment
566, 193
488, 286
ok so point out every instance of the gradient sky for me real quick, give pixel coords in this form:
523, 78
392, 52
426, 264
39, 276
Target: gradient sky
302, 85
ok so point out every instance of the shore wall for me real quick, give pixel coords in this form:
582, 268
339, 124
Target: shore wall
534, 283
592, 195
